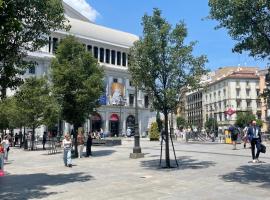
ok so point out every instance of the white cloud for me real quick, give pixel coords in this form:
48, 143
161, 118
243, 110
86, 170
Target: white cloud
84, 8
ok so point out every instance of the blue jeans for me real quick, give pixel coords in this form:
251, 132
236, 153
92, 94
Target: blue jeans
67, 156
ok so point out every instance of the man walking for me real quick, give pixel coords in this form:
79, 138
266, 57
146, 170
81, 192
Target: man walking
254, 135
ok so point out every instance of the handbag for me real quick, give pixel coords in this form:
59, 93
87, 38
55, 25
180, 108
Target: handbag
263, 148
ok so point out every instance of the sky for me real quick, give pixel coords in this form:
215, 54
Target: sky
126, 15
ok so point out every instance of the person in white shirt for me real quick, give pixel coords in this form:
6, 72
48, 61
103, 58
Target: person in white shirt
66, 143
5, 143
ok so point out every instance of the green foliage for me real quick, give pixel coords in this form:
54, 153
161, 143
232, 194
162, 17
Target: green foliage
154, 132
77, 81
247, 21
181, 122
25, 26
34, 100
4, 124
259, 122
211, 124
162, 64
159, 122
244, 118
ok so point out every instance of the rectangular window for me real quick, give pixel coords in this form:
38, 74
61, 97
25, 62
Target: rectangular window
248, 92
101, 55
96, 52
238, 103
131, 99
113, 57
89, 48
115, 80
130, 83
146, 101
248, 103
118, 58
124, 59
55, 44
32, 70
220, 116
108, 57
238, 92
258, 92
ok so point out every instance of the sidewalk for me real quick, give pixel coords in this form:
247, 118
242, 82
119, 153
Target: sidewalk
206, 172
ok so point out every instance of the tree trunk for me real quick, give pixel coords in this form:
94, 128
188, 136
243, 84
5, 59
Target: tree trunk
33, 138
3, 92
75, 140
167, 151
24, 140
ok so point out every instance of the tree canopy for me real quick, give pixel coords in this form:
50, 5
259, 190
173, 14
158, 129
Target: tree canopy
243, 119
24, 27
77, 82
211, 125
161, 64
247, 21
35, 101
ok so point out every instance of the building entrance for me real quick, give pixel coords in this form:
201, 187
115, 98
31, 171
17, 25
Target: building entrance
114, 125
96, 122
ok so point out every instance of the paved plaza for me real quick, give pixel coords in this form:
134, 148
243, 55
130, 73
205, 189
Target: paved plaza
207, 171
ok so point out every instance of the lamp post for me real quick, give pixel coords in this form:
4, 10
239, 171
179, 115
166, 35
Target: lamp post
137, 151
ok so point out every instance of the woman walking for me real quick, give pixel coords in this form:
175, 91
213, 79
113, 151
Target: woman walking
5, 143
67, 150
80, 139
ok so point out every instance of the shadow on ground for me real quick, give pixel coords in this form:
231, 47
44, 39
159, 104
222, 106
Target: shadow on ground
184, 162
253, 173
100, 153
33, 186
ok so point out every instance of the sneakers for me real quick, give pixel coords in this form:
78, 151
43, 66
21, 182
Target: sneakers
254, 161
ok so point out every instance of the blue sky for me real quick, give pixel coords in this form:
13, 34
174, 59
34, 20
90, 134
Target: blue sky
217, 45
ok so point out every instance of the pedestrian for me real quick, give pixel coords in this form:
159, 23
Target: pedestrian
5, 144
16, 139
2, 152
89, 145
80, 139
254, 135
67, 150
245, 136
234, 135
44, 140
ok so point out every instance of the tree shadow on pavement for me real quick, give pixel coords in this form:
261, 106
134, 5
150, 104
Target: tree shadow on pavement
100, 153
33, 186
184, 162
254, 173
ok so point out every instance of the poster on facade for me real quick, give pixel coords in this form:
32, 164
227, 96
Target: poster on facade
117, 93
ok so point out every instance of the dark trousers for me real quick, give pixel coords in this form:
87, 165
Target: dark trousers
255, 142
88, 150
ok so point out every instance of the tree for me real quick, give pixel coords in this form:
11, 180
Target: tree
211, 124
181, 122
154, 132
243, 119
159, 122
25, 26
77, 81
247, 21
34, 99
161, 64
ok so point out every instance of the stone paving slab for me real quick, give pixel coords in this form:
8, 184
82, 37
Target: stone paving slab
209, 171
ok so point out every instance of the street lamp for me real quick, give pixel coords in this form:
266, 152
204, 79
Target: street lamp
137, 151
